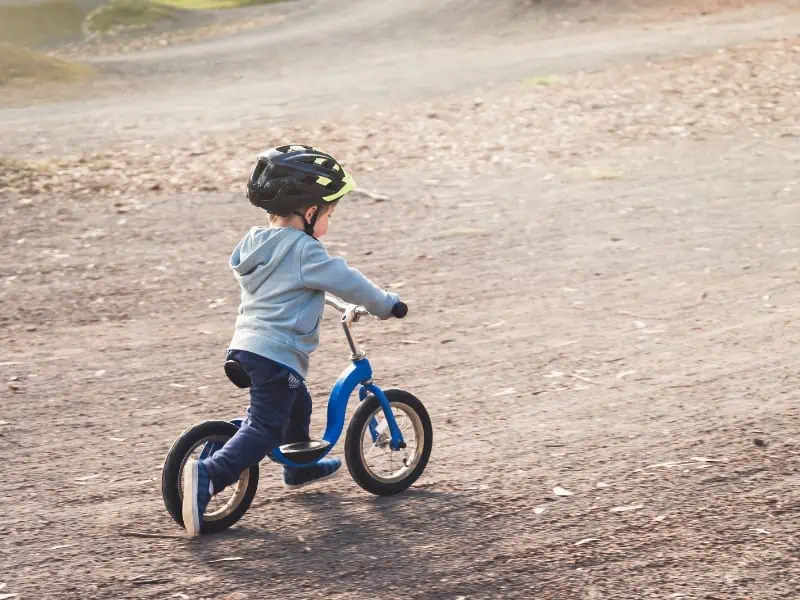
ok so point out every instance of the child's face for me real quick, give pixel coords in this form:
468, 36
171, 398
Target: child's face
321, 226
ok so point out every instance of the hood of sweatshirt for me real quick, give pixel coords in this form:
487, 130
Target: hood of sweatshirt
260, 252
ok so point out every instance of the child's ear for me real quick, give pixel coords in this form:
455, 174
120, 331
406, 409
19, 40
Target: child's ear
310, 212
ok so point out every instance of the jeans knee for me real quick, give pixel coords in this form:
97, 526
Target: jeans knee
269, 429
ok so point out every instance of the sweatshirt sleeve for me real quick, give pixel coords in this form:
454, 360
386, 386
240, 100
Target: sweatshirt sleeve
321, 271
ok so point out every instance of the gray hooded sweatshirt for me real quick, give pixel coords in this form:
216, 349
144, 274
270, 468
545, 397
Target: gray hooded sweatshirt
284, 274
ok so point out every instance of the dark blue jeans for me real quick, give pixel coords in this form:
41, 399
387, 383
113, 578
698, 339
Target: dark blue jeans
279, 413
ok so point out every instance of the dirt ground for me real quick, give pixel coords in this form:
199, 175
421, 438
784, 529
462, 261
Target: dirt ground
597, 229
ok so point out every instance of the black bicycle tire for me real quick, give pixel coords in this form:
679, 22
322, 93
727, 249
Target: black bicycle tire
352, 444
171, 473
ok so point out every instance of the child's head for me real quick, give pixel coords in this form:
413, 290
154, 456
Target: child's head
299, 186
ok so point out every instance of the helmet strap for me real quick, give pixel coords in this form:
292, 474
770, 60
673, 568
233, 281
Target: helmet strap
308, 226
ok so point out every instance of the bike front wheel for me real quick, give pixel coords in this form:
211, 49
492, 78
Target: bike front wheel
370, 459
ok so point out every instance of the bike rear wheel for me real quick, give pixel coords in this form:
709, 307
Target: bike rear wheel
201, 441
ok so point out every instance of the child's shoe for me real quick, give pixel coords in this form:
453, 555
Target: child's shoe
297, 478
196, 495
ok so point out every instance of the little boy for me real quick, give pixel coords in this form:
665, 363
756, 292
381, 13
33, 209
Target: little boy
284, 272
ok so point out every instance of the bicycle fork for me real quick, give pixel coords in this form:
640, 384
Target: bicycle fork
377, 431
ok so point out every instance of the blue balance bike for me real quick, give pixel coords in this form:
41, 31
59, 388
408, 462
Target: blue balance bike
387, 445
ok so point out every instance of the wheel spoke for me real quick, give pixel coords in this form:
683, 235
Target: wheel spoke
406, 420
369, 452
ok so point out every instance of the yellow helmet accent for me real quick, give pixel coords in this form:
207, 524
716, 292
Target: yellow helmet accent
348, 185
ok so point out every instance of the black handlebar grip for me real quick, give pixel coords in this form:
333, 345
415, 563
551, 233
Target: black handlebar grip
400, 310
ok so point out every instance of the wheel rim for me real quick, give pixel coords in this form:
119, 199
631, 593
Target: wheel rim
224, 503
381, 462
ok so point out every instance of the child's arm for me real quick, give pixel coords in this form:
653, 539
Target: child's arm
321, 271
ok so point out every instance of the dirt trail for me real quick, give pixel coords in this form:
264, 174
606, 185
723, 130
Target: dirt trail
623, 326
570, 332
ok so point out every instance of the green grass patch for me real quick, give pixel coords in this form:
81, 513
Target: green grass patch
542, 80
214, 4
17, 63
40, 23
52, 22
127, 14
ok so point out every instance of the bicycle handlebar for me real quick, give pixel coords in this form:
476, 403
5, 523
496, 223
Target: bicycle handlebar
343, 306
399, 310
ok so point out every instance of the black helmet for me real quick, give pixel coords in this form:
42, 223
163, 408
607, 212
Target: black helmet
287, 178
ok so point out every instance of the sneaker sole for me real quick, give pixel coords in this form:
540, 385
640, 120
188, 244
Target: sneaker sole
313, 481
191, 516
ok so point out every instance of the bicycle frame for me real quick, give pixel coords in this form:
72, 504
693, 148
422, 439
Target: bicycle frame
358, 373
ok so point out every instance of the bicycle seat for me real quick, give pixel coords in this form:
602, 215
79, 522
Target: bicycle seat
303, 452
236, 373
